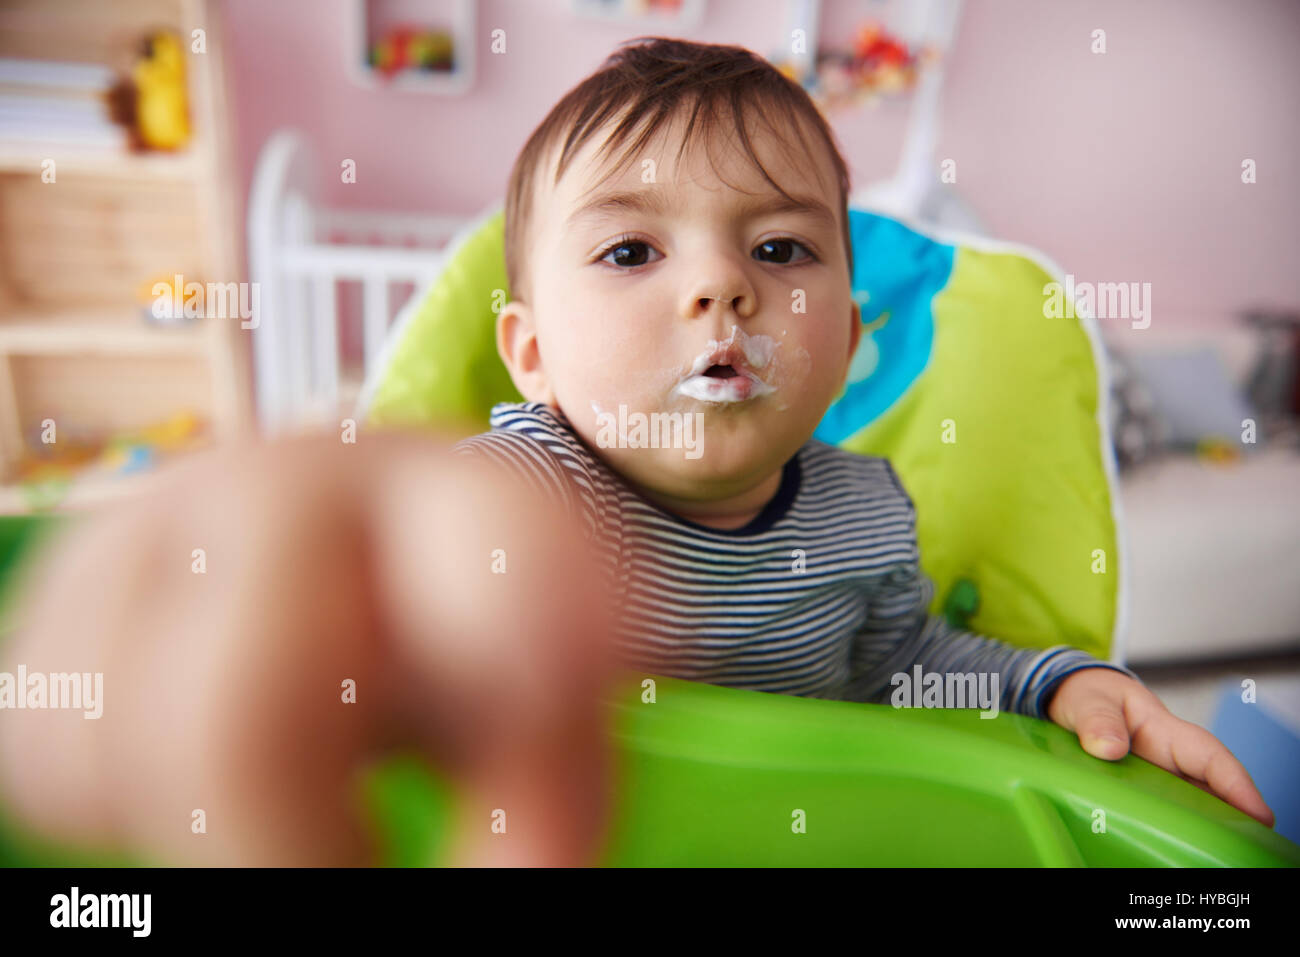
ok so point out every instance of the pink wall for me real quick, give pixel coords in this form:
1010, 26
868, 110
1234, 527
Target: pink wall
1121, 167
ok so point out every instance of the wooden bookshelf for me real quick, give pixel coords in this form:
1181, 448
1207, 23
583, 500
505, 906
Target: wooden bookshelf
23, 158
76, 341
85, 332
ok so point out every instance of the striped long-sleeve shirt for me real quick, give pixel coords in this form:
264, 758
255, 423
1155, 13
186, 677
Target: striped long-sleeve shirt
821, 595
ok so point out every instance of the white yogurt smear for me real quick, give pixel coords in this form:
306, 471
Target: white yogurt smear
745, 385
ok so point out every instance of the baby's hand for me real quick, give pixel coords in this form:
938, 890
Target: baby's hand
1111, 712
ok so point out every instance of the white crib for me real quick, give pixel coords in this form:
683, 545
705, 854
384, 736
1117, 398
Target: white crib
301, 254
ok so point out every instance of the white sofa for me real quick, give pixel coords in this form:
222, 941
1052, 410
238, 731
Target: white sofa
1214, 549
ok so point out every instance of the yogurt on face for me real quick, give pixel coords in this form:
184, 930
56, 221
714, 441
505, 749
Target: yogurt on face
746, 354
738, 388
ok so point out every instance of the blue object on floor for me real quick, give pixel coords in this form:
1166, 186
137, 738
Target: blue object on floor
1268, 745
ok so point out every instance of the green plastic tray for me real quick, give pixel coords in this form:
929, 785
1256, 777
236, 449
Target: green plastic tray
711, 776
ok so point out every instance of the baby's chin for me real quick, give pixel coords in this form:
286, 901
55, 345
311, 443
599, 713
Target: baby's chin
667, 474
699, 454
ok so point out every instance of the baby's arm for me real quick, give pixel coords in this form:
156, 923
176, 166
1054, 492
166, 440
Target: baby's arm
1093, 698
900, 633
223, 685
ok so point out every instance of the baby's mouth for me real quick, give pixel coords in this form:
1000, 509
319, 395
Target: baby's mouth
724, 373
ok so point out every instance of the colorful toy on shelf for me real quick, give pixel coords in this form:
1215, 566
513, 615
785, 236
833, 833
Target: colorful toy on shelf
161, 114
134, 450
881, 62
50, 471
412, 48
165, 301
878, 63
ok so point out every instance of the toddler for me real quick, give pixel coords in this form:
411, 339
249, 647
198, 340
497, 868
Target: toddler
661, 224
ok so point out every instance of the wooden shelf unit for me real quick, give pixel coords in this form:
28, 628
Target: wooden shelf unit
76, 344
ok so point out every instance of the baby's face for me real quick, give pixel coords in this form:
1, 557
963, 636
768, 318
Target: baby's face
677, 288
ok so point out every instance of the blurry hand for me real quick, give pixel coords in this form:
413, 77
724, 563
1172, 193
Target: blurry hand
463, 610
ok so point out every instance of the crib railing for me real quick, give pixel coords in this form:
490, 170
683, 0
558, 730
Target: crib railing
299, 253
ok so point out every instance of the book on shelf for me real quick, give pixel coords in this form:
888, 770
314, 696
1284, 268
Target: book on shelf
55, 75
52, 104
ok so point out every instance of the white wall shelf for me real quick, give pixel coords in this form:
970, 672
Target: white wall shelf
370, 18
641, 13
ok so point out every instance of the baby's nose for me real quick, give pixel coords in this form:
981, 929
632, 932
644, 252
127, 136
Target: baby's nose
705, 300
718, 288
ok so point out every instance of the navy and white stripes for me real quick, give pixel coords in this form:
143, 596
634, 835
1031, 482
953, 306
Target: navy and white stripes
821, 595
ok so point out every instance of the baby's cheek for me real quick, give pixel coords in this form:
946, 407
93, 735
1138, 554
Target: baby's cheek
790, 372
635, 375
594, 393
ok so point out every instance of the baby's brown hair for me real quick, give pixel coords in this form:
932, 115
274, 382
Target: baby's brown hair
644, 84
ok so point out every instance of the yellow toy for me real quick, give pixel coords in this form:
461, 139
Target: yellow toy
160, 107
1217, 451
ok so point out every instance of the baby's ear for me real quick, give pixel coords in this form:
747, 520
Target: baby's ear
518, 348
855, 338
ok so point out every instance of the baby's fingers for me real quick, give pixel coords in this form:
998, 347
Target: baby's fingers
1102, 730
1199, 757
1094, 710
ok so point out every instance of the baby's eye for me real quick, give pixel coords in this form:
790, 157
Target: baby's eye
629, 254
781, 251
